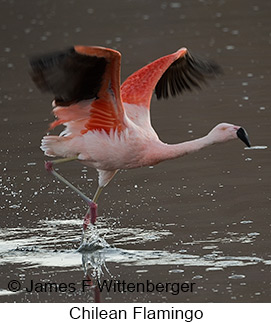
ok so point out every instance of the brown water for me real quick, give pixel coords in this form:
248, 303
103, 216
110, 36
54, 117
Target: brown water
203, 219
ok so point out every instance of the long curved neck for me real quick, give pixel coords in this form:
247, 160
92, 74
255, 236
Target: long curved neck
169, 151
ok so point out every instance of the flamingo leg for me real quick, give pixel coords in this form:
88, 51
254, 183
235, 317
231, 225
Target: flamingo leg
97, 193
91, 214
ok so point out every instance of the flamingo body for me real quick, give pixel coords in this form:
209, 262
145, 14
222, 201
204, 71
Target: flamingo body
107, 125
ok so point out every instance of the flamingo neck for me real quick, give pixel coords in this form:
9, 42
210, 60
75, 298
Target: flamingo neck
171, 151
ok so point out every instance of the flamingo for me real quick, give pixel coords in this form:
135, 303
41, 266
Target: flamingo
107, 125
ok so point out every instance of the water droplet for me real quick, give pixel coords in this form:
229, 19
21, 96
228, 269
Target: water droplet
197, 277
176, 271
14, 206
175, 5
31, 164
237, 277
235, 32
230, 47
246, 222
256, 147
214, 268
253, 234
141, 271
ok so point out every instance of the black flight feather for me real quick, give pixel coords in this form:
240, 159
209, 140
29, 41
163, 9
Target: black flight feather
185, 73
68, 75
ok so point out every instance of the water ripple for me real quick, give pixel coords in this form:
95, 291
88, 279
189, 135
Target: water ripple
54, 244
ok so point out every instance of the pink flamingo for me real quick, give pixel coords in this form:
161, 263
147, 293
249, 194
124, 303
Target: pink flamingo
107, 125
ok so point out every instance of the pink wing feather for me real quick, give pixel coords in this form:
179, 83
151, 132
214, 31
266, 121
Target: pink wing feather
85, 81
138, 87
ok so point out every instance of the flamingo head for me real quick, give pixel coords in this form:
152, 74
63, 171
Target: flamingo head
225, 131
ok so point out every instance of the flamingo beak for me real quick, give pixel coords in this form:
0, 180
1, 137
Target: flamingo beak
242, 135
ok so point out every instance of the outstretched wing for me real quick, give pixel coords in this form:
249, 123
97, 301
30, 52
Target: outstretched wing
78, 74
171, 74
186, 73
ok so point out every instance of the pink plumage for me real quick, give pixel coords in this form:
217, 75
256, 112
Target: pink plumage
107, 126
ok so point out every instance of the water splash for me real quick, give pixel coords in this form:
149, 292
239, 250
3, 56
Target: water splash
256, 147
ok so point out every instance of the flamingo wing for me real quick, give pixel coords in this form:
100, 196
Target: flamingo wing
171, 74
78, 74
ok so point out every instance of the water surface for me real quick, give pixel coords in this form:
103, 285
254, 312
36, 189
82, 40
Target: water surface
204, 218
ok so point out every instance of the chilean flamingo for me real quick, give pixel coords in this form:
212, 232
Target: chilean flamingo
107, 125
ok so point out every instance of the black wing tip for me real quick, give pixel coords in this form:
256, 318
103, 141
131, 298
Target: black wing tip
40, 63
184, 74
209, 68
68, 75
202, 68
43, 61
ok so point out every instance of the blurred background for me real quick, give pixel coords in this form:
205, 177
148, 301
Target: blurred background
204, 218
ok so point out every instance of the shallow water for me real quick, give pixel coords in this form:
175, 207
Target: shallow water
203, 219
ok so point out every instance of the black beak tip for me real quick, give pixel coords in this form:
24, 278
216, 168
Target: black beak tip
242, 135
